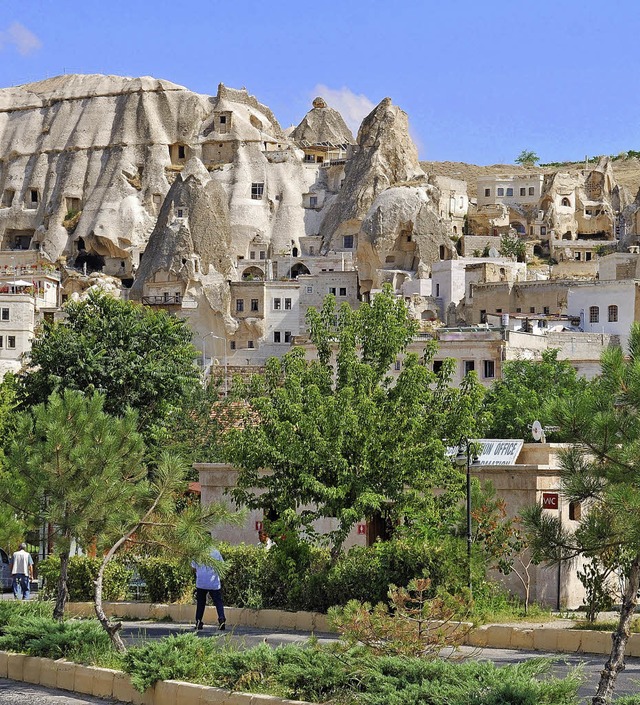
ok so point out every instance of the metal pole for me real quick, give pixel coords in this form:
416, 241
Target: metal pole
226, 369
469, 539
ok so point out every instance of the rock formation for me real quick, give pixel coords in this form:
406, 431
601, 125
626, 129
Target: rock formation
177, 194
322, 124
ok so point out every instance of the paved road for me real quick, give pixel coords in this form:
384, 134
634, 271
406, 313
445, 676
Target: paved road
13, 693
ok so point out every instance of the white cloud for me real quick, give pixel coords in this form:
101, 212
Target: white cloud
350, 105
21, 38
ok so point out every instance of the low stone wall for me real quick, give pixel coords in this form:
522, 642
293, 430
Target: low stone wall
107, 683
490, 636
263, 619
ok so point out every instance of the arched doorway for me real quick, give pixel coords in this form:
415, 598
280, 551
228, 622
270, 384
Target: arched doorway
252, 273
298, 269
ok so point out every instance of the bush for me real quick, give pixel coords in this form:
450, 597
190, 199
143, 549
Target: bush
81, 574
319, 674
167, 581
11, 610
79, 640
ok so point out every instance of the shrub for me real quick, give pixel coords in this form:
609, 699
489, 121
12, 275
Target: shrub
16, 610
82, 572
320, 674
44, 636
167, 581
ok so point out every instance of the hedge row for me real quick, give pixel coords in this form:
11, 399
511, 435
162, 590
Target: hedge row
292, 575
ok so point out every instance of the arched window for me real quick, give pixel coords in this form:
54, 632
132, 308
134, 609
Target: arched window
613, 314
566, 202
594, 314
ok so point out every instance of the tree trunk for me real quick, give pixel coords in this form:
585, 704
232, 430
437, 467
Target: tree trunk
615, 664
111, 628
63, 592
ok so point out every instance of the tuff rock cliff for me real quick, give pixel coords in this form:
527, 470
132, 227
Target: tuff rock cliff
164, 188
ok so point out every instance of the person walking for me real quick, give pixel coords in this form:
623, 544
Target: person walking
22, 572
208, 583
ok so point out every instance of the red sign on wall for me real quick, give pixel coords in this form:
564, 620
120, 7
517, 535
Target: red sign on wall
362, 529
549, 500
258, 526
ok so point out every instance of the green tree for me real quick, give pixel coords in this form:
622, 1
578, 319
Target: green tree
69, 463
525, 392
150, 515
513, 246
315, 440
602, 471
527, 158
134, 355
12, 529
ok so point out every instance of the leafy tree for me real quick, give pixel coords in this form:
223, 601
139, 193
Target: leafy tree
134, 355
80, 469
525, 392
69, 463
602, 471
150, 515
513, 246
527, 158
312, 440
11, 528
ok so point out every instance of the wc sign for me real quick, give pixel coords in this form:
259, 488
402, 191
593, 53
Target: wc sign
550, 500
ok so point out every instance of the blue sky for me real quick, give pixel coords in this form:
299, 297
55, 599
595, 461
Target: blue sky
480, 80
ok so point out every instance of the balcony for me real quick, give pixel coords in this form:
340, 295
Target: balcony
163, 300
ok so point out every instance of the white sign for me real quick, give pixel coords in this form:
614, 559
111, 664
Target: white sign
493, 451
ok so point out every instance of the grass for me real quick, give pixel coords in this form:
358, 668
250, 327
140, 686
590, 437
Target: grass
609, 626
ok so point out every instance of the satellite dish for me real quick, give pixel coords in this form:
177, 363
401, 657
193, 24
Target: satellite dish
493, 252
537, 431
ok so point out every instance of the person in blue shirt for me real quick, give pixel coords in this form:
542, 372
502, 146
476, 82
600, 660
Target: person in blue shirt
208, 583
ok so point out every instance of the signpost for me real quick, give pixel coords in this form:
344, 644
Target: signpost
493, 451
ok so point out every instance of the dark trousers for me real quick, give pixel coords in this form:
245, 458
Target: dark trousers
201, 601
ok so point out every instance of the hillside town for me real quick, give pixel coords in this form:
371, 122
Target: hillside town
206, 207
267, 249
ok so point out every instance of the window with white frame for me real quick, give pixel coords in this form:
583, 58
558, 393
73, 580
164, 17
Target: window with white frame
287, 336
277, 304
612, 312
254, 305
11, 341
5, 314
276, 336
509, 192
257, 190
239, 305
594, 314
500, 191
287, 304
343, 291
332, 290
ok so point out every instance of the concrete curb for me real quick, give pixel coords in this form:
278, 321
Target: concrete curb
263, 619
525, 637
107, 683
